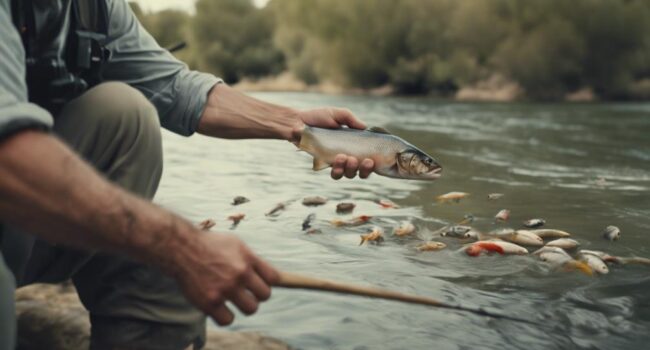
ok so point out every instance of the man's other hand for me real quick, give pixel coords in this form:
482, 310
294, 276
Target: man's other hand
334, 118
222, 268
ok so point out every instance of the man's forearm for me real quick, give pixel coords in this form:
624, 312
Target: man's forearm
48, 190
233, 115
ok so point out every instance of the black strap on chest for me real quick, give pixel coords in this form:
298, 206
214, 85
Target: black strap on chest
53, 81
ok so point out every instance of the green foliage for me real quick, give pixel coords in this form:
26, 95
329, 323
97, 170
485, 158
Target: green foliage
549, 47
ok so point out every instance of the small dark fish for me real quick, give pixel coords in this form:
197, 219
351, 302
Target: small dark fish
278, 207
534, 223
206, 224
306, 224
612, 233
314, 201
345, 208
240, 200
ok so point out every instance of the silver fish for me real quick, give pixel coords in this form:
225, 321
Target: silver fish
564, 243
393, 156
534, 223
457, 231
551, 233
612, 233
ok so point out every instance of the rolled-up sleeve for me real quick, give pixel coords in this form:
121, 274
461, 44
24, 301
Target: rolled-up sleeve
178, 93
16, 113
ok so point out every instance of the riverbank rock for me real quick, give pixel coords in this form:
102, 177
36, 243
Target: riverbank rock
494, 89
52, 317
582, 95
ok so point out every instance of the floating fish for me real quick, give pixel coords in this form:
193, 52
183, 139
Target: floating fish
564, 243
596, 263
240, 200
573, 265
359, 220
206, 224
456, 231
553, 255
306, 224
475, 249
602, 255
345, 208
612, 233
502, 215
430, 246
523, 237
376, 236
550, 233
386, 204
534, 223
508, 247
452, 197
236, 218
405, 229
495, 196
558, 258
393, 156
278, 207
314, 201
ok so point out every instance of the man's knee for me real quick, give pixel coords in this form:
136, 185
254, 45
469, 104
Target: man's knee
114, 105
115, 128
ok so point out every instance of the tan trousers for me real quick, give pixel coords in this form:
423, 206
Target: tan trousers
131, 306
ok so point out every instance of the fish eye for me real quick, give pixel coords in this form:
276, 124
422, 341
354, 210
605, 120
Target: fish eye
428, 161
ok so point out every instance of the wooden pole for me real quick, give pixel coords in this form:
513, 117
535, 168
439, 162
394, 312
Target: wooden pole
296, 281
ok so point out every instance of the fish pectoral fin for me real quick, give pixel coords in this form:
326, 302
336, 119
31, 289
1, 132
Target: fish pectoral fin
320, 164
379, 130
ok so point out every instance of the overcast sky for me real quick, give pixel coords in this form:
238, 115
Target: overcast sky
187, 5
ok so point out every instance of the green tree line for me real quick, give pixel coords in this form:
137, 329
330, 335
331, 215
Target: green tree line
548, 47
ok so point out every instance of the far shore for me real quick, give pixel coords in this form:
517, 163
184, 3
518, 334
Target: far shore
494, 89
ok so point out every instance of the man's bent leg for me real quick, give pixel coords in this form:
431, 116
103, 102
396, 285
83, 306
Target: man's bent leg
117, 130
7, 313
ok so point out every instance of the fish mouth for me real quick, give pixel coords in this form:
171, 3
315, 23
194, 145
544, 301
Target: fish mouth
435, 173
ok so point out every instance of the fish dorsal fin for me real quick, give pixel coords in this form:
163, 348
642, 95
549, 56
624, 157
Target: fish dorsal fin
379, 130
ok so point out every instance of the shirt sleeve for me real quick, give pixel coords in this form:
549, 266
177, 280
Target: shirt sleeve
16, 113
178, 93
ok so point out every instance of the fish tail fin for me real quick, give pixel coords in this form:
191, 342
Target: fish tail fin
363, 239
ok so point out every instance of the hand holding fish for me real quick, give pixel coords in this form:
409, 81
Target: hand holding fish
335, 118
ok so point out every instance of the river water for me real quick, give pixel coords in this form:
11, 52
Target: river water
581, 167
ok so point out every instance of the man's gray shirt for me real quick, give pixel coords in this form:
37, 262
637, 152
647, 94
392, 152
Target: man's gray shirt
178, 93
